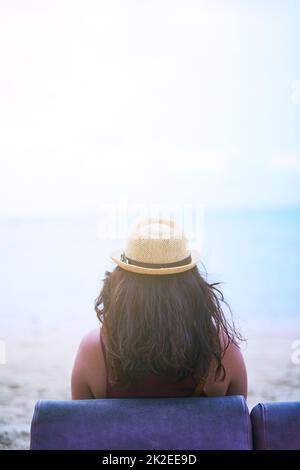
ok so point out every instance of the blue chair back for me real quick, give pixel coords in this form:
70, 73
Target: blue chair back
142, 423
276, 426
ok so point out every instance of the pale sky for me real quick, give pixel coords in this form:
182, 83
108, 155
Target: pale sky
148, 100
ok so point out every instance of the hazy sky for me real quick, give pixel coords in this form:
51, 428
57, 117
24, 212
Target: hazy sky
155, 100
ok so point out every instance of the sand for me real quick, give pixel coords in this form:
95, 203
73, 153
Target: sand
39, 367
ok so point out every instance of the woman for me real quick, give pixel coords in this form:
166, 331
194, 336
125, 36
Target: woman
163, 329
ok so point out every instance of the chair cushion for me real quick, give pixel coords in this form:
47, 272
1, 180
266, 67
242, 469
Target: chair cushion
142, 423
276, 426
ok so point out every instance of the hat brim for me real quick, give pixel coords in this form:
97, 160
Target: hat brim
116, 257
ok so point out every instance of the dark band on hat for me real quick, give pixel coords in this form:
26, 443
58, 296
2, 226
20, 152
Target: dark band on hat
182, 262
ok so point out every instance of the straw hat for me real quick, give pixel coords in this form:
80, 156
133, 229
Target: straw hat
156, 246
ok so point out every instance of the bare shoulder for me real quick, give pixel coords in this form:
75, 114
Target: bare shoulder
232, 356
88, 376
231, 350
235, 380
90, 350
91, 340
235, 368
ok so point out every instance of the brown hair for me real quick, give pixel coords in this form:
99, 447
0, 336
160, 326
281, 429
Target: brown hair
172, 325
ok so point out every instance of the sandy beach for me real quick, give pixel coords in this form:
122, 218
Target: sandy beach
39, 367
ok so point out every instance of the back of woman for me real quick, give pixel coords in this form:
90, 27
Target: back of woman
164, 333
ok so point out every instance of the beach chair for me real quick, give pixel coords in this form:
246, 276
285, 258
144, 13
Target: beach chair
276, 426
142, 423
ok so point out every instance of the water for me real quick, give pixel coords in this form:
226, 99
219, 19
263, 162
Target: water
51, 269
257, 255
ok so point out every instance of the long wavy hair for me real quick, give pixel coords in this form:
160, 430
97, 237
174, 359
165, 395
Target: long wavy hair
172, 325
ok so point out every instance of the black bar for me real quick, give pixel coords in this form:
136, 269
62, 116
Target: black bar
134, 459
